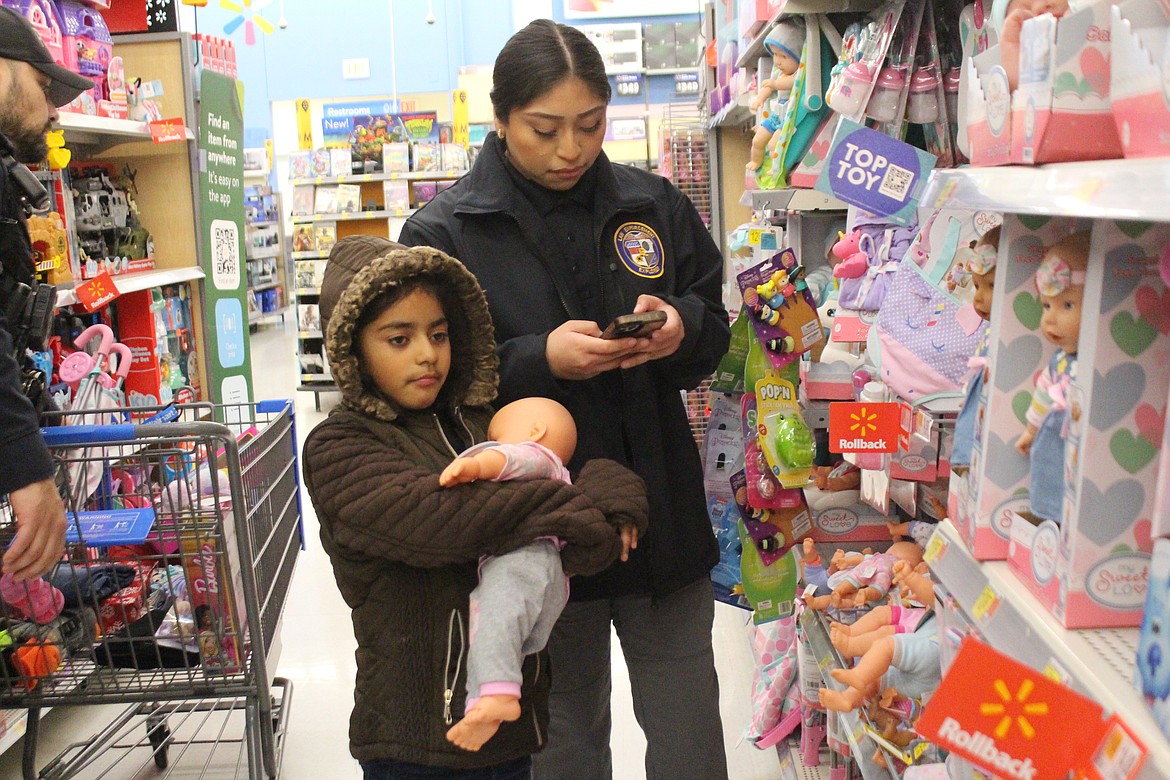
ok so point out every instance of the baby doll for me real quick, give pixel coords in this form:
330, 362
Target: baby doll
980, 262
1061, 283
520, 594
854, 639
908, 662
856, 579
1008, 17
784, 43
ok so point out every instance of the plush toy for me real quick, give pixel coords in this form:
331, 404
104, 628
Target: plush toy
908, 662
1061, 283
853, 260
784, 43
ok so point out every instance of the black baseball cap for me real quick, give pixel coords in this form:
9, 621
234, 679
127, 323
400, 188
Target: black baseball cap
19, 41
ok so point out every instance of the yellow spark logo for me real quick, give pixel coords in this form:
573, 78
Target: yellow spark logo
1016, 708
98, 288
863, 423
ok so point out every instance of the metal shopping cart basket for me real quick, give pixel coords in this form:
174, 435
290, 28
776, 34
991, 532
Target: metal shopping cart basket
169, 597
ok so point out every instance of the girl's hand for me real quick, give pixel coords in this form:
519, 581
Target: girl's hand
629, 540
663, 342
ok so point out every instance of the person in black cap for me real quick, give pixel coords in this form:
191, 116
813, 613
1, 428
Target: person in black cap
31, 88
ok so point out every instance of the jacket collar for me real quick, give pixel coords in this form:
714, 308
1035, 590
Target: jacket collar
489, 188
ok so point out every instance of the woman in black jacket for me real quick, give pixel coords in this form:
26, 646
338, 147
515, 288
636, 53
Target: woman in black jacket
562, 241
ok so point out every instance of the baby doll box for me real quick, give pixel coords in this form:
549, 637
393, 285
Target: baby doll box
1098, 574
847, 522
45, 18
1061, 110
988, 109
1139, 91
997, 480
87, 40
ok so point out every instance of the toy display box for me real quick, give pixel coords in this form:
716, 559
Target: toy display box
852, 523
87, 43
1091, 570
1061, 110
983, 497
45, 18
1138, 87
987, 100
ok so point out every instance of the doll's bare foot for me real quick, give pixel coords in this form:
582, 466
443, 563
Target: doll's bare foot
482, 721
818, 602
839, 635
852, 678
809, 550
897, 530
841, 701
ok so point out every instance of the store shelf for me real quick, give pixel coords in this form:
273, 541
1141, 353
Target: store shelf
267, 316
361, 177
669, 71
144, 280
310, 334
790, 200
1098, 663
1102, 189
266, 286
264, 253
734, 113
310, 255
87, 130
263, 223
816, 629
307, 291
754, 50
262, 173
317, 380
347, 215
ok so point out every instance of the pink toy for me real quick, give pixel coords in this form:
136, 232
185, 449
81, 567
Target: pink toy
46, 20
87, 43
854, 261
36, 599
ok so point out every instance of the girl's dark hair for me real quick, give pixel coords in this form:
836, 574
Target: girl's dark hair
539, 57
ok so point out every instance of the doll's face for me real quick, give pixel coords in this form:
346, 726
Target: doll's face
1061, 320
984, 287
784, 63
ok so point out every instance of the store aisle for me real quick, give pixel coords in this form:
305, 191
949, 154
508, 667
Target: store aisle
317, 648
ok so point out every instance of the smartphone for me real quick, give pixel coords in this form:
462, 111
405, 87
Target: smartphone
634, 325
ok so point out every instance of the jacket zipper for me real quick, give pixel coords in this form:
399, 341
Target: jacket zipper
443, 434
450, 680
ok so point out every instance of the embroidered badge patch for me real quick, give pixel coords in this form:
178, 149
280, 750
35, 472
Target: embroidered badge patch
640, 249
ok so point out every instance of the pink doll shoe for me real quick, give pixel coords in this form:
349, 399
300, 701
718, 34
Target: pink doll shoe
36, 599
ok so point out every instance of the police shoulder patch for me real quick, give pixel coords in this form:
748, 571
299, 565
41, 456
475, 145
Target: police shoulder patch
640, 249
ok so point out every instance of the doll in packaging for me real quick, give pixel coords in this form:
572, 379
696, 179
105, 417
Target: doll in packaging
784, 43
1061, 283
979, 263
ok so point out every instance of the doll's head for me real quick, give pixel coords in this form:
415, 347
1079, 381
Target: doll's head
1061, 283
980, 262
785, 42
906, 551
541, 420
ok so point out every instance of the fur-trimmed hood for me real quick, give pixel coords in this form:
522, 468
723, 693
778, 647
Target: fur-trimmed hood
359, 269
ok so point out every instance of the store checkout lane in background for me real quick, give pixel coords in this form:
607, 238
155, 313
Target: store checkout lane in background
304, 59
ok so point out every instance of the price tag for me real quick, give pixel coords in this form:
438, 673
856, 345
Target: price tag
1088, 189
986, 604
945, 193
754, 236
1121, 755
934, 548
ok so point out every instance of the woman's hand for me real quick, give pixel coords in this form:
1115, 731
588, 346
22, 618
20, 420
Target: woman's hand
663, 342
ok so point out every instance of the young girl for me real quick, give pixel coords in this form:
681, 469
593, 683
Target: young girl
412, 350
1061, 283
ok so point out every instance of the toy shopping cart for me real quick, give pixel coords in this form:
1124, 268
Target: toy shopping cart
170, 594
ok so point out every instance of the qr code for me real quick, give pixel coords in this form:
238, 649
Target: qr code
226, 250
896, 183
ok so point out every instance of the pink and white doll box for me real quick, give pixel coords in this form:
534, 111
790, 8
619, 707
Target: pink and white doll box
997, 481
1140, 77
1091, 571
1061, 109
987, 100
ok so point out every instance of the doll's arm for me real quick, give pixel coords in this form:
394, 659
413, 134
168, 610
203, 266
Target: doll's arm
765, 90
1041, 404
485, 464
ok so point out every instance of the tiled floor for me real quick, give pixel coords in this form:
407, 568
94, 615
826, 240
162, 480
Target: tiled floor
317, 652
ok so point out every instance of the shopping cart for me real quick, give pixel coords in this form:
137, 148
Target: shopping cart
170, 595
